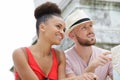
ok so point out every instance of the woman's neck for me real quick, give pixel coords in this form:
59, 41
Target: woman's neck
42, 47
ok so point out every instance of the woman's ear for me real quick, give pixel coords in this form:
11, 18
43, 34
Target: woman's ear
42, 27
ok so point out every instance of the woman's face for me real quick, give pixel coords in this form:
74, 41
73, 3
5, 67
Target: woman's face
54, 30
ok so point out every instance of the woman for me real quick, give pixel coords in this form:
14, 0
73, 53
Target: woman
40, 61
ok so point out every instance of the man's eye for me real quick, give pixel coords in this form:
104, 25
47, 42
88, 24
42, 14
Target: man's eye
91, 25
84, 28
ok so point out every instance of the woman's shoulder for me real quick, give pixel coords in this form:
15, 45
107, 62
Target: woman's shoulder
18, 51
60, 54
18, 54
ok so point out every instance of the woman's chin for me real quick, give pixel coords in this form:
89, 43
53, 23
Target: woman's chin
57, 43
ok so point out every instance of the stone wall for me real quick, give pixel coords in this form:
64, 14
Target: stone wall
106, 17
104, 12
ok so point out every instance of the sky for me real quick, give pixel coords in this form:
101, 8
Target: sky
17, 29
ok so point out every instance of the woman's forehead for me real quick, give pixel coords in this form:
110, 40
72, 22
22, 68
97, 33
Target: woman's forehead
56, 19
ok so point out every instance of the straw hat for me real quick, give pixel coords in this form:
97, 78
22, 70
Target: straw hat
74, 19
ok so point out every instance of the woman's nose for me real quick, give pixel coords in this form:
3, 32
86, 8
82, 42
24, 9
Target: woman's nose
62, 33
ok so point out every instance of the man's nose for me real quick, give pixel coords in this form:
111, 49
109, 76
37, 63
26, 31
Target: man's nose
90, 29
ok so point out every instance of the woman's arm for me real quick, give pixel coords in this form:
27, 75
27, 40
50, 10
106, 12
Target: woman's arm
61, 64
21, 65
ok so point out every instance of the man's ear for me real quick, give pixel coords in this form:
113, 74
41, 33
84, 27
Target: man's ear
42, 27
71, 35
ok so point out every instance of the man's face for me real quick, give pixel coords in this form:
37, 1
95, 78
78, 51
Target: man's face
84, 34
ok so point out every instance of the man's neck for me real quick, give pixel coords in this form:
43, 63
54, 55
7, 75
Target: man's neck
84, 52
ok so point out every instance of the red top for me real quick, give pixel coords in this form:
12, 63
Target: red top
53, 74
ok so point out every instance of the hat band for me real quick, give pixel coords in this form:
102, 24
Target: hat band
80, 21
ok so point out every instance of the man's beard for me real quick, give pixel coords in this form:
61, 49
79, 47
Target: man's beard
85, 42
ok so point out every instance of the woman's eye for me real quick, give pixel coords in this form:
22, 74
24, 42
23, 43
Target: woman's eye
64, 29
58, 26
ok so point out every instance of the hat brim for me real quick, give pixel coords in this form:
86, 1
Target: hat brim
69, 30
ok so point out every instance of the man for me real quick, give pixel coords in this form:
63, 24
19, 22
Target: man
83, 56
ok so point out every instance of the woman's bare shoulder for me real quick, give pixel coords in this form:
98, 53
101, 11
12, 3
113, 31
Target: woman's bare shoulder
17, 52
60, 54
19, 56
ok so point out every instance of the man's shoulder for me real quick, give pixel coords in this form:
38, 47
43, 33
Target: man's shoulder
116, 47
97, 49
69, 50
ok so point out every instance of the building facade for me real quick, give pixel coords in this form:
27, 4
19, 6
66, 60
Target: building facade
104, 12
